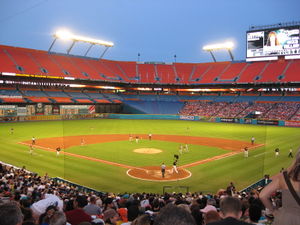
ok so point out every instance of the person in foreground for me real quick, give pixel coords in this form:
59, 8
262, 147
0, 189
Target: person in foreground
286, 181
10, 214
230, 211
174, 215
78, 215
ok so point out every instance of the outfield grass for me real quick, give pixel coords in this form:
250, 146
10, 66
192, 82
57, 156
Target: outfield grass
206, 177
122, 152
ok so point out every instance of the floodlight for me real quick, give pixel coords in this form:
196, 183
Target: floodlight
219, 46
67, 35
225, 45
93, 41
63, 34
229, 45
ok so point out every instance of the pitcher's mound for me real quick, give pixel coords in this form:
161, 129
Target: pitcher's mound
147, 150
153, 173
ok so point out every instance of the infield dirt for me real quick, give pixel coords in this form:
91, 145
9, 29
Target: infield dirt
145, 173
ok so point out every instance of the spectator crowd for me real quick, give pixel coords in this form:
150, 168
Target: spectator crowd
29, 199
268, 110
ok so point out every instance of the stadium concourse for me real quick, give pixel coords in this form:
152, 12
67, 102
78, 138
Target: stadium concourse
42, 200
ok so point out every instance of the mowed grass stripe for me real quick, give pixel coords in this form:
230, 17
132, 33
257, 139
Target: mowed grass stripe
123, 152
210, 176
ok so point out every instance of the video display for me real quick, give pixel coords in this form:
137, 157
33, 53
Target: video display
273, 42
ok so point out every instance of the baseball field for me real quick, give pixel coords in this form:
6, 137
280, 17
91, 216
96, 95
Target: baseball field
98, 153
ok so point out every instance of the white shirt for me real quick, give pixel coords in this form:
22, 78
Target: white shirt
40, 207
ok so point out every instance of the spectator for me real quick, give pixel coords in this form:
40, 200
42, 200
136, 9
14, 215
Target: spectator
92, 208
133, 212
27, 215
77, 215
110, 216
231, 212
209, 206
174, 215
46, 216
211, 216
10, 214
287, 182
255, 214
122, 210
58, 218
197, 214
142, 220
109, 203
28, 223
40, 207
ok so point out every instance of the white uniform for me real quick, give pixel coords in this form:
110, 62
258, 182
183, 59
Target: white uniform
175, 167
30, 149
252, 140
186, 148
163, 170
57, 151
180, 149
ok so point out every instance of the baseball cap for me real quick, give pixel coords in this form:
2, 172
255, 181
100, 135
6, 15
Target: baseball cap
208, 208
109, 214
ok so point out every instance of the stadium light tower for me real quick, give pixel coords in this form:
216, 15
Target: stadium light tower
67, 35
213, 47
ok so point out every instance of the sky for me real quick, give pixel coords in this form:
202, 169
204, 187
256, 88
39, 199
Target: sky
156, 29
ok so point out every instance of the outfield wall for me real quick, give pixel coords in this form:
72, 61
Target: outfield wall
152, 117
255, 121
149, 117
52, 117
199, 118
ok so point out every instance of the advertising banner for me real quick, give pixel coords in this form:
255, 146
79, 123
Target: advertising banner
292, 123
267, 122
182, 117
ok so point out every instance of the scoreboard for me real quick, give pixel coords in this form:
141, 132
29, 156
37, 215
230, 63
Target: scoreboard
273, 42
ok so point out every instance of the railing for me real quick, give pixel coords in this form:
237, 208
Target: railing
77, 186
259, 184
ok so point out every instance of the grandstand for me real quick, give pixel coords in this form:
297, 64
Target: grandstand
74, 80
24, 62
115, 122
40, 85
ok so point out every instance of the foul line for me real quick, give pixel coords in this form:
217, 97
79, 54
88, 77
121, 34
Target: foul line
260, 154
256, 146
218, 157
86, 157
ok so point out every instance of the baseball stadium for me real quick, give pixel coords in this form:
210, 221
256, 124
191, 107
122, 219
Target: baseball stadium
100, 113
114, 126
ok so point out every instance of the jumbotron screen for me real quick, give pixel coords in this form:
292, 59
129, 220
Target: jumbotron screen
273, 42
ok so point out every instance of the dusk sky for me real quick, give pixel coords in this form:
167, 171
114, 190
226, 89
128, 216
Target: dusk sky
157, 29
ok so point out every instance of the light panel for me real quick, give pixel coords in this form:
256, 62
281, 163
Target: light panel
225, 45
67, 35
